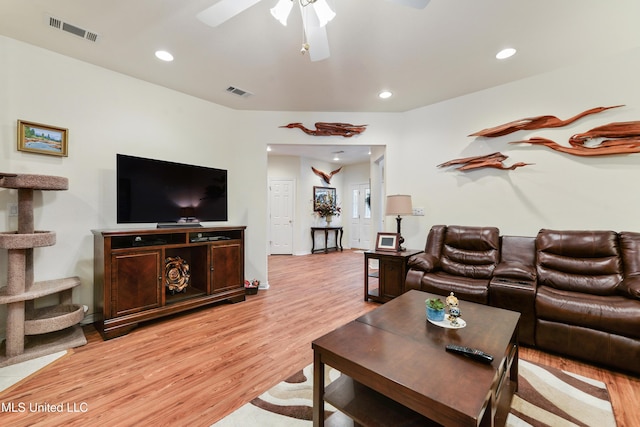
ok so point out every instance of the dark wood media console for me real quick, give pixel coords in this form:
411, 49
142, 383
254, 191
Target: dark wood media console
129, 273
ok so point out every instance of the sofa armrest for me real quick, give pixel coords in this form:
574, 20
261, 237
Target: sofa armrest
630, 286
413, 280
423, 262
515, 270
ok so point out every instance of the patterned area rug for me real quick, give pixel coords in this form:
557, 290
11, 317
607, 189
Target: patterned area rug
546, 397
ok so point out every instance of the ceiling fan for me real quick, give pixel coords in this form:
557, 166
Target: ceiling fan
314, 19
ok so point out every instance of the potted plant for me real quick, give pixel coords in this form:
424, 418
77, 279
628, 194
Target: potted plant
435, 309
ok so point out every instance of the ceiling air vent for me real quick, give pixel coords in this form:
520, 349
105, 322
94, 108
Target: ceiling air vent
59, 24
237, 91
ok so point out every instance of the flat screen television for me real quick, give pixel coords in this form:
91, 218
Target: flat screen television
168, 193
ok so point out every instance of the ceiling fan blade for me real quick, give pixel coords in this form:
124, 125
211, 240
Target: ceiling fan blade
316, 35
418, 4
318, 43
224, 10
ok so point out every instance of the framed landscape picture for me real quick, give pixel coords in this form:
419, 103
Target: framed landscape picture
387, 242
42, 139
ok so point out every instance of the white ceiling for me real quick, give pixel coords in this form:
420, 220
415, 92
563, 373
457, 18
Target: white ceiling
423, 56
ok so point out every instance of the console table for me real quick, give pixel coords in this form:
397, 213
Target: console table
326, 230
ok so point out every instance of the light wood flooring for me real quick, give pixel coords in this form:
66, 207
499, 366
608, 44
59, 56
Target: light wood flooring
195, 368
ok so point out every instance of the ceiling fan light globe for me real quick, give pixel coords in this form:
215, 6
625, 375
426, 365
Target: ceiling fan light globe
281, 11
324, 12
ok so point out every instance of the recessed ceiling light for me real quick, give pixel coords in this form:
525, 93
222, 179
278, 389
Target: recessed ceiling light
384, 94
506, 53
164, 55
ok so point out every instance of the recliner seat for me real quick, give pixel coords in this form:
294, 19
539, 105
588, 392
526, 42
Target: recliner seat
581, 306
456, 259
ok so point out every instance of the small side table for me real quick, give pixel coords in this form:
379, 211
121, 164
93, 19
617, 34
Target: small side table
326, 230
390, 276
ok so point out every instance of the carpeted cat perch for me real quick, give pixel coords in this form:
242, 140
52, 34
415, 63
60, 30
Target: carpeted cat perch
33, 332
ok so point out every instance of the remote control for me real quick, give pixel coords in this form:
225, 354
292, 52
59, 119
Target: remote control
472, 353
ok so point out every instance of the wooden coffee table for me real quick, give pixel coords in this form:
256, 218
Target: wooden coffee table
395, 367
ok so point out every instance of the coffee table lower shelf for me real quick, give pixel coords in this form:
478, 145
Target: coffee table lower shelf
368, 407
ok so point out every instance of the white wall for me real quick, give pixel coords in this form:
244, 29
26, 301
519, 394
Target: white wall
559, 191
108, 113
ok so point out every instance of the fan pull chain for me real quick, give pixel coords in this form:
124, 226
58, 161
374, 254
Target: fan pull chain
305, 45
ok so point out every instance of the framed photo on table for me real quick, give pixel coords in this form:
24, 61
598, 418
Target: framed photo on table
42, 139
388, 242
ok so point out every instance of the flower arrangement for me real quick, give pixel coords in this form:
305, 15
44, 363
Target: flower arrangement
327, 207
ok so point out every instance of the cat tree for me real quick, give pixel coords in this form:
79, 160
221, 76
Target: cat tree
33, 332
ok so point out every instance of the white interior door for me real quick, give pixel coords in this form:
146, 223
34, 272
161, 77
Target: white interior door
281, 202
360, 230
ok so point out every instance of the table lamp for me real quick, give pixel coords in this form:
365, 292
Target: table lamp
399, 204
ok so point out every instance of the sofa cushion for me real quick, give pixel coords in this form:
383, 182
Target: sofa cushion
479, 265
630, 248
515, 270
518, 248
465, 288
423, 262
615, 314
579, 261
470, 251
630, 287
434, 240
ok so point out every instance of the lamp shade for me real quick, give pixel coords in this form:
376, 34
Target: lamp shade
399, 204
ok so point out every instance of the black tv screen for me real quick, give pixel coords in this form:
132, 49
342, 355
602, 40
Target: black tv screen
166, 192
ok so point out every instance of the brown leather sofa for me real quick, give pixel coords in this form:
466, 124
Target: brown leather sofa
578, 291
